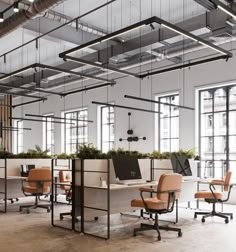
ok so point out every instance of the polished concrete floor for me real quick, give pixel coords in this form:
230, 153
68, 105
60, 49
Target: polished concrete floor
33, 232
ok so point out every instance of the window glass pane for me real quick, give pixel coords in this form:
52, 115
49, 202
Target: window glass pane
218, 130
107, 128
168, 131
76, 133
220, 100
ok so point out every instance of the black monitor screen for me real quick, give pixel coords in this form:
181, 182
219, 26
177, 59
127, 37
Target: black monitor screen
25, 169
180, 164
126, 167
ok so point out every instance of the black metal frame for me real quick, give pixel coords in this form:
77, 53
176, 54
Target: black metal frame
54, 200
83, 206
148, 21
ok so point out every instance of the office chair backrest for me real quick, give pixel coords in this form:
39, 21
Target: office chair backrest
227, 180
65, 176
168, 182
40, 174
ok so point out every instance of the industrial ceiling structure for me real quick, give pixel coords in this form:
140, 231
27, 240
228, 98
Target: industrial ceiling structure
47, 44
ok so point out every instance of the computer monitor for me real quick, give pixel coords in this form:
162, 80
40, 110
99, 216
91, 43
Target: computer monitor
126, 167
180, 164
24, 169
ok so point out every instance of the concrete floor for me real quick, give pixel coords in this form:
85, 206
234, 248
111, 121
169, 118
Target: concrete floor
33, 233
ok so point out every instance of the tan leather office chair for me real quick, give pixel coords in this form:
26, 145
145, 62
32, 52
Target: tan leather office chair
214, 197
65, 184
167, 193
38, 184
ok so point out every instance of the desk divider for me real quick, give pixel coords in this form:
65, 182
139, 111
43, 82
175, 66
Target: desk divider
55, 168
82, 189
3, 169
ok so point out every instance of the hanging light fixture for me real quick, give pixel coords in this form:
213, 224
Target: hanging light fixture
1, 17
16, 7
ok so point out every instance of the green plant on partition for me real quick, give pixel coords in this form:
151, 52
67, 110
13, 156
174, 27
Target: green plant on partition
89, 151
64, 156
34, 153
121, 151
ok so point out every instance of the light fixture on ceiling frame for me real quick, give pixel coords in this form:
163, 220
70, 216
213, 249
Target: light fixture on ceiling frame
189, 64
29, 102
158, 102
149, 21
38, 120
60, 118
1, 17
124, 107
16, 6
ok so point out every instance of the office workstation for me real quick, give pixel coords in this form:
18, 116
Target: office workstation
118, 121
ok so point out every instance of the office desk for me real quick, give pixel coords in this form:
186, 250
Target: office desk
104, 201
12, 189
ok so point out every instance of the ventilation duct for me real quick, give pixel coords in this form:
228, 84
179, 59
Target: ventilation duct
18, 19
206, 4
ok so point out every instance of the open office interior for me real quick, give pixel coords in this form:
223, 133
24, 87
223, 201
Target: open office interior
117, 125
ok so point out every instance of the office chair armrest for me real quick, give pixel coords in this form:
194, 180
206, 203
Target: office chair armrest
171, 197
39, 185
146, 189
217, 182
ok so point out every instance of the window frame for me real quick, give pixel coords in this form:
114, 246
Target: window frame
158, 122
102, 108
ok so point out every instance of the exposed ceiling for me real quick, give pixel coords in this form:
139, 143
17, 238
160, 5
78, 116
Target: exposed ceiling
141, 46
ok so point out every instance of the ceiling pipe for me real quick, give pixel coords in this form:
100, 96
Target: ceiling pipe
21, 17
56, 16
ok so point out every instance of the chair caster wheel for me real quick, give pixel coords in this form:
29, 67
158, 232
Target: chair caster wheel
195, 216
48, 210
17, 199
96, 218
180, 234
134, 234
28, 211
20, 209
226, 220
61, 218
158, 237
231, 217
203, 220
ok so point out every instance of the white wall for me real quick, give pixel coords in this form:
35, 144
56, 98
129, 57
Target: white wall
141, 122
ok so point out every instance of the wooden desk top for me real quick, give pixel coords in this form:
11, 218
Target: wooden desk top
15, 177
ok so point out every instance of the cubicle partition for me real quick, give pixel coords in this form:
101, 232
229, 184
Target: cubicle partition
61, 206
11, 180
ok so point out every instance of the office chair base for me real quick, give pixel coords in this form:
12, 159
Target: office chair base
28, 207
214, 213
64, 214
144, 227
